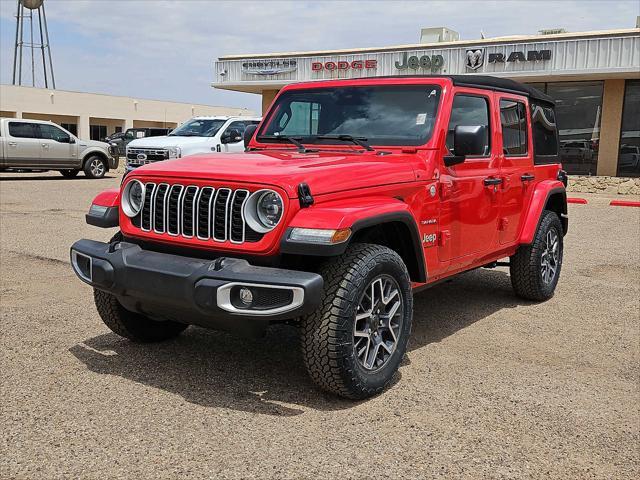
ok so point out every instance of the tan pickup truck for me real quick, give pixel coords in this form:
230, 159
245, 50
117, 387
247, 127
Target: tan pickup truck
28, 145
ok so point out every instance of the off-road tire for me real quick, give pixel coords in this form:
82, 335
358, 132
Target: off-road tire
70, 173
327, 334
89, 171
133, 326
525, 266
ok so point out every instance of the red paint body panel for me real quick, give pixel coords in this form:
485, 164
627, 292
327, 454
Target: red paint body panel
474, 224
108, 198
538, 201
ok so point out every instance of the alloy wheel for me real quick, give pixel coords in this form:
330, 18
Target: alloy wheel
550, 257
378, 322
97, 167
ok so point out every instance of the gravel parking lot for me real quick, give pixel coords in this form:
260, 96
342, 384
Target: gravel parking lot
492, 386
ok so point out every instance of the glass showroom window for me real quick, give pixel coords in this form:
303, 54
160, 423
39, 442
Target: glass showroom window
629, 156
578, 112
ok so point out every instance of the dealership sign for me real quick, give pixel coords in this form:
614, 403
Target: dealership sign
269, 67
343, 65
474, 57
432, 63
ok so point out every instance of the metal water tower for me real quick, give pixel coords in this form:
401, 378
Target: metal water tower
28, 9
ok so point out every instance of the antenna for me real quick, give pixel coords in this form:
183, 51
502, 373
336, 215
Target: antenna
26, 9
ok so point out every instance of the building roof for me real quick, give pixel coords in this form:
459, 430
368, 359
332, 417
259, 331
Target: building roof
458, 43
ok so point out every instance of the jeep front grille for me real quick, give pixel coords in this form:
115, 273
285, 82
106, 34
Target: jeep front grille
206, 213
137, 157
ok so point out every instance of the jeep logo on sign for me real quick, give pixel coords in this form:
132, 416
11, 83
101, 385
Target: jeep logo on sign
433, 62
475, 59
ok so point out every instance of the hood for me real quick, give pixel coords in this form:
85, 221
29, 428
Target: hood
166, 141
324, 172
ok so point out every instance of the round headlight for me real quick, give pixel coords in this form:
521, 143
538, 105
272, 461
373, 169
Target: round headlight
132, 198
263, 210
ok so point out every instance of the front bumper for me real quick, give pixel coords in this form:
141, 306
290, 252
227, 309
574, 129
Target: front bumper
197, 291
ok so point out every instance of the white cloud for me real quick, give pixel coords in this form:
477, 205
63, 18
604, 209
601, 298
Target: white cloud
166, 49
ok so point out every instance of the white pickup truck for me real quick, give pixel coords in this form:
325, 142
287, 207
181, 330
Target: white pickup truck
198, 135
28, 145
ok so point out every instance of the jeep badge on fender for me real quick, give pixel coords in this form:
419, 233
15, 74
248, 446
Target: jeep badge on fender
333, 216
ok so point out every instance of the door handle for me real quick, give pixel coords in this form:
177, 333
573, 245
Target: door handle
13, 144
45, 145
492, 181
527, 177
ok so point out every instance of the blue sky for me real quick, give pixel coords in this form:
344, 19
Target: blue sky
165, 49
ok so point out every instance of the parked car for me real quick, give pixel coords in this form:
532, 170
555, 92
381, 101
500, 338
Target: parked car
199, 135
29, 145
333, 217
120, 142
629, 160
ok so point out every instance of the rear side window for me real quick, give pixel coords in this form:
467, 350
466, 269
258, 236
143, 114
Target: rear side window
22, 130
513, 117
469, 110
545, 133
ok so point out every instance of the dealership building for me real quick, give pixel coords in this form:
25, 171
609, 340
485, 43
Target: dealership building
594, 78
94, 116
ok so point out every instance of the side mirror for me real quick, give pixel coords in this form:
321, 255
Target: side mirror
64, 140
469, 141
248, 134
72, 140
231, 136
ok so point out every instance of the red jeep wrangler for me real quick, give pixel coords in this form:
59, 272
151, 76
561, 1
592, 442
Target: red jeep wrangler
351, 195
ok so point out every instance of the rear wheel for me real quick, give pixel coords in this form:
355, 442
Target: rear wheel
95, 167
535, 269
354, 343
69, 173
133, 326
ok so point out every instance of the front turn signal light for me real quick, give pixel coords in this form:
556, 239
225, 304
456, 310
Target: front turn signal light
319, 236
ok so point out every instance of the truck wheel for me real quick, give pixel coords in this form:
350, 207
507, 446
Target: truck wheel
69, 173
133, 326
535, 269
353, 344
95, 167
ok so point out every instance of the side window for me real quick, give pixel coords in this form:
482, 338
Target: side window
469, 110
545, 133
513, 117
50, 132
239, 126
22, 130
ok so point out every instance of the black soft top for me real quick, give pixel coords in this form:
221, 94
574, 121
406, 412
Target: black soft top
489, 82
502, 85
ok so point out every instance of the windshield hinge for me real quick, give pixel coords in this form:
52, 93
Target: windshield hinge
304, 195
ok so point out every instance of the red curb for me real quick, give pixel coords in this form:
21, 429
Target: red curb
624, 203
581, 201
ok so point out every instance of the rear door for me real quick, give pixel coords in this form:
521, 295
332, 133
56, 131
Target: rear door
22, 147
57, 151
516, 167
469, 191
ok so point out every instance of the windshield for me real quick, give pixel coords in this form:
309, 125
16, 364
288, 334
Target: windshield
384, 115
198, 128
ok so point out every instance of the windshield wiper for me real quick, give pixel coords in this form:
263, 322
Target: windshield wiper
362, 141
294, 140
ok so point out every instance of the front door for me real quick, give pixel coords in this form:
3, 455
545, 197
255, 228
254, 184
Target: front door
57, 149
22, 147
516, 169
470, 190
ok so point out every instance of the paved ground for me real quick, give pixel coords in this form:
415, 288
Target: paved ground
492, 386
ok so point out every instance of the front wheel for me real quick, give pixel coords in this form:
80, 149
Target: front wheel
535, 269
133, 326
95, 167
353, 344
